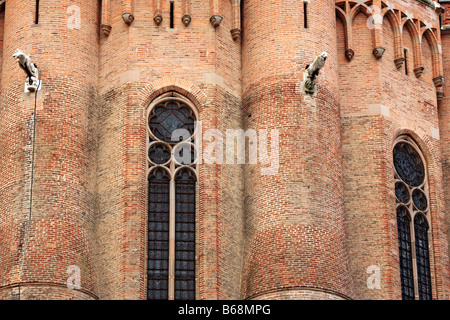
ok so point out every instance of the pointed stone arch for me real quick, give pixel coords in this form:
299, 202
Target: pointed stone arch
430, 36
410, 25
392, 17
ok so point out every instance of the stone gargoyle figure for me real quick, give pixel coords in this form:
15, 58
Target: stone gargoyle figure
30, 69
312, 71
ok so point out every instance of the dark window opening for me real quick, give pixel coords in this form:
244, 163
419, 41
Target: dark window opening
185, 235
171, 14
305, 15
36, 16
422, 257
405, 253
405, 51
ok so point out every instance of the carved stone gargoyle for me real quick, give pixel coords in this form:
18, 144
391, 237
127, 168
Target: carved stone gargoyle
32, 82
311, 73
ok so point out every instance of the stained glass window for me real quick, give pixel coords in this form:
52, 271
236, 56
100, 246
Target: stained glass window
411, 191
171, 201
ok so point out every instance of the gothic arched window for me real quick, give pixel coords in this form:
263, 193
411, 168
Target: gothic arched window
172, 179
411, 191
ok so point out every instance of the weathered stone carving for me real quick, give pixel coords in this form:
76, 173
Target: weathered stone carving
378, 52
439, 81
349, 54
158, 18
216, 20
105, 29
186, 19
236, 34
419, 71
32, 82
128, 18
311, 73
440, 96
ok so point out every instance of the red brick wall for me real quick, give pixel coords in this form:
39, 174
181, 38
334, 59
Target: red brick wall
61, 230
139, 63
308, 232
294, 219
379, 102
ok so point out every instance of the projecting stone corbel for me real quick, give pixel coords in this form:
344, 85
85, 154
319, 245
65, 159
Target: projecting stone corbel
216, 20
236, 23
105, 26
105, 29
440, 96
399, 62
236, 34
128, 18
419, 71
349, 54
439, 81
158, 18
378, 52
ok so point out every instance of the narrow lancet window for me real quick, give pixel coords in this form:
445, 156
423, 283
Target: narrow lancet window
411, 192
172, 180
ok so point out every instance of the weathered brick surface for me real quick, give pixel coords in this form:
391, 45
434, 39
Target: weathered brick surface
294, 220
308, 232
378, 103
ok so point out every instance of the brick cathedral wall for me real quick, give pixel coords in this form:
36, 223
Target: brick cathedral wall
61, 228
379, 102
294, 219
137, 64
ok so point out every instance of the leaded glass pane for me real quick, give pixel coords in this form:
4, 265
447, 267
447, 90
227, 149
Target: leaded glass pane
169, 116
402, 192
422, 257
405, 254
158, 235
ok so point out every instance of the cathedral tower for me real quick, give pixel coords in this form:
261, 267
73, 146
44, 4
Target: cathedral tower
57, 236
225, 149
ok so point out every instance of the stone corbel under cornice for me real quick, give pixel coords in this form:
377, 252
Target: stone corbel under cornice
439, 81
128, 18
418, 71
216, 20
127, 15
378, 52
349, 54
186, 18
399, 62
157, 17
236, 13
105, 26
440, 97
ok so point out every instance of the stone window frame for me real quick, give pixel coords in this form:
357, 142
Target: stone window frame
413, 212
172, 169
